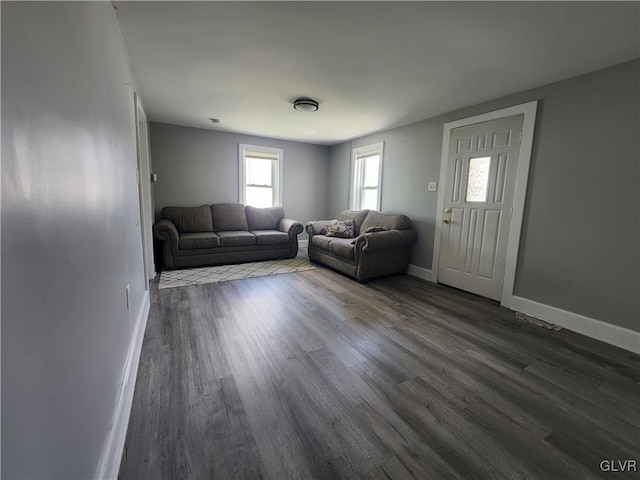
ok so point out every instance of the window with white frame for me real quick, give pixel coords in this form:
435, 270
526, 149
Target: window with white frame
260, 176
366, 184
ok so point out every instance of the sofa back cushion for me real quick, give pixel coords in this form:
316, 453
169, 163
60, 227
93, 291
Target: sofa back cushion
229, 217
189, 219
388, 221
264, 218
358, 217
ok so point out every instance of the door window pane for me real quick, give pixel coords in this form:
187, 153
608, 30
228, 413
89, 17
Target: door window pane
478, 179
260, 197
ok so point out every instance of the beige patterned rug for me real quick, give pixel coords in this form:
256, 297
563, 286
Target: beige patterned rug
222, 273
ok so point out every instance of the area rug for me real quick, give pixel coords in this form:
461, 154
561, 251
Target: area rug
222, 273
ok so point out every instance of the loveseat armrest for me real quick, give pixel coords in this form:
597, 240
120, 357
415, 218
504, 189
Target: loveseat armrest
165, 230
372, 242
290, 226
316, 227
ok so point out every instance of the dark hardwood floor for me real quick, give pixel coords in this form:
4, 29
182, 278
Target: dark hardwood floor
313, 376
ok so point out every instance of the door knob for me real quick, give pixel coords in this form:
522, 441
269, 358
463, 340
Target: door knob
447, 221
448, 210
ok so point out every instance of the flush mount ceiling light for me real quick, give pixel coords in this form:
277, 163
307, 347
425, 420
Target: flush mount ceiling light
304, 104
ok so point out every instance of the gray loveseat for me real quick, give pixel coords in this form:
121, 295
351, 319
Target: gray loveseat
225, 233
368, 255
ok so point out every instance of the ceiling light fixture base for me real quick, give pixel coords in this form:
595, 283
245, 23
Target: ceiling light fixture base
305, 104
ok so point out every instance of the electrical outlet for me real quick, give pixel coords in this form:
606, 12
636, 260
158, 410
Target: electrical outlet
127, 293
432, 186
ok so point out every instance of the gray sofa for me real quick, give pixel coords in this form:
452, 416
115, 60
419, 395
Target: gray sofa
368, 255
225, 233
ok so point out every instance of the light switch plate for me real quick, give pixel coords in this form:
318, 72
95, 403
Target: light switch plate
433, 186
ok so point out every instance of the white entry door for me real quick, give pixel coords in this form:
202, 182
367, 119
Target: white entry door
478, 191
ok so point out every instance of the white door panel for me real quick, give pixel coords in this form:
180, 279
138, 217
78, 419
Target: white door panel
478, 191
489, 244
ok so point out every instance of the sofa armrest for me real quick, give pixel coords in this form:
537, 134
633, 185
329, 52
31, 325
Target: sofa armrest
316, 227
290, 226
165, 230
372, 242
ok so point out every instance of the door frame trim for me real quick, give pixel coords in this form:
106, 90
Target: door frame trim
144, 190
529, 111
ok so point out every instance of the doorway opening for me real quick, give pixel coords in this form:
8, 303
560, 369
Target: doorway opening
143, 174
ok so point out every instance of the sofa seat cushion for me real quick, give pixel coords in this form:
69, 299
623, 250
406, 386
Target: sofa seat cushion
321, 241
194, 241
229, 217
342, 247
236, 238
189, 219
270, 237
388, 221
264, 218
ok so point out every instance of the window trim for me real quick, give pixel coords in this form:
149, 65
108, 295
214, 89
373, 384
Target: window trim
357, 175
277, 178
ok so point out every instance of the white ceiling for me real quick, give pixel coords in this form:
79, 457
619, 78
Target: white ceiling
371, 65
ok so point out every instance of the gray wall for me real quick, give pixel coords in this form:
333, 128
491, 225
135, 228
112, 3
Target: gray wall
580, 245
70, 234
197, 166
410, 161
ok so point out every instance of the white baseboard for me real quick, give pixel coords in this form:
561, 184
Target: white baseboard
303, 243
110, 461
421, 272
597, 329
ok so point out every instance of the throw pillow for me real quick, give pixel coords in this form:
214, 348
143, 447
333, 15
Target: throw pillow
370, 230
342, 229
374, 229
323, 231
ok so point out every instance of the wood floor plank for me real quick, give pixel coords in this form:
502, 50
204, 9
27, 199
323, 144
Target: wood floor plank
314, 376
524, 387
